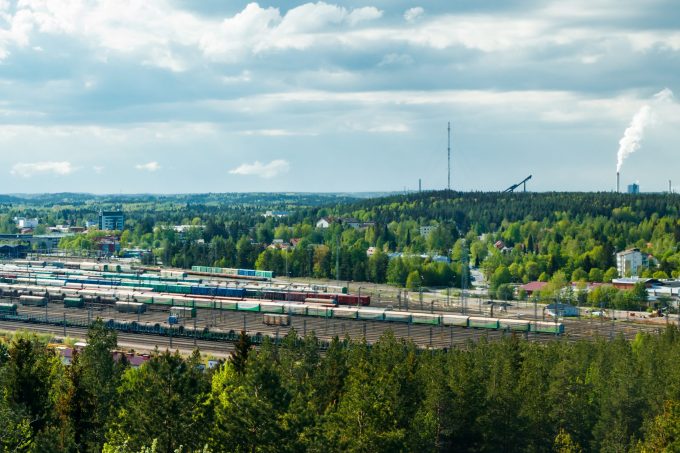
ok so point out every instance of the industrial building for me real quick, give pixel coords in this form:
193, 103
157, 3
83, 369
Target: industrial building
111, 220
561, 310
633, 189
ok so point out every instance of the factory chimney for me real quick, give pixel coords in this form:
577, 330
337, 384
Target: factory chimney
617, 182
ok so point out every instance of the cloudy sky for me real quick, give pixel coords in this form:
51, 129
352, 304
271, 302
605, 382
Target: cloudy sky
112, 96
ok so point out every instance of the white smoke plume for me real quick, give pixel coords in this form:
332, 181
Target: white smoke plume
630, 142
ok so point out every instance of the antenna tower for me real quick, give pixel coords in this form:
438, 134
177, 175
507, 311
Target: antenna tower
449, 157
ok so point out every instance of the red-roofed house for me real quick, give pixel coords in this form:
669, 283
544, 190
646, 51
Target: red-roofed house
532, 287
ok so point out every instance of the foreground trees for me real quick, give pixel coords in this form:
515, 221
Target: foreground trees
510, 395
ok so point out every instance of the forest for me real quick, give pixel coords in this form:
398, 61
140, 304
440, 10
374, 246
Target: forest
511, 395
514, 238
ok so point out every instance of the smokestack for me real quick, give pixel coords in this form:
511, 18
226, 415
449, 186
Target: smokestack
420, 186
617, 182
670, 187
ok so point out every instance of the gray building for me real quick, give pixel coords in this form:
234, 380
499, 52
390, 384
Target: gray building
111, 220
633, 189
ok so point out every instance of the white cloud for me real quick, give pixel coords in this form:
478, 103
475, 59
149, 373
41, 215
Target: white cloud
265, 171
412, 14
98, 169
26, 170
396, 59
378, 127
364, 14
149, 166
276, 133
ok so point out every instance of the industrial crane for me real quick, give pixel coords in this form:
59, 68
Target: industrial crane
514, 186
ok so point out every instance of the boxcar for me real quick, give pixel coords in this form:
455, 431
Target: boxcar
248, 306
183, 312
272, 319
371, 314
519, 325
547, 327
319, 310
455, 320
296, 309
397, 316
483, 323
271, 307
425, 318
345, 313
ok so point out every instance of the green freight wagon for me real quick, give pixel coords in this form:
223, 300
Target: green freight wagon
547, 327
74, 302
8, 309
371, 314
248, 306
425, 318
397, 316
517, 325
483, 323
183, 312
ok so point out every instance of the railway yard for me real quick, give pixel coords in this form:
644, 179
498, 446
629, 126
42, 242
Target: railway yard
178, 310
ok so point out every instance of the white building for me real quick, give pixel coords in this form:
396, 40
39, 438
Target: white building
27, 223
629, 262
323, 223
277, 214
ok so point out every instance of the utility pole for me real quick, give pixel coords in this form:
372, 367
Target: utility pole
463, 275
337, 258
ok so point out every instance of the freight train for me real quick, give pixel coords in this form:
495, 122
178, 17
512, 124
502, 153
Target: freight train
316, 308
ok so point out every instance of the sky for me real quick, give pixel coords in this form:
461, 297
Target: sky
174, 96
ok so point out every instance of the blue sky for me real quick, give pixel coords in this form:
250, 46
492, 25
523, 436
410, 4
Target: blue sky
175, 96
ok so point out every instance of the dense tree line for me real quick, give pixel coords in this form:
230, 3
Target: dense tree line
576, 234
509, 395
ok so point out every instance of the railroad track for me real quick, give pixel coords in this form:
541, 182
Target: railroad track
324, 329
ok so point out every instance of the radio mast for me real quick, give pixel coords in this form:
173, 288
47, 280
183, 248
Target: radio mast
448, 185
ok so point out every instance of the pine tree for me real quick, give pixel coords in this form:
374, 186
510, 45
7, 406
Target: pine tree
239, 357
